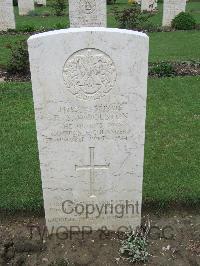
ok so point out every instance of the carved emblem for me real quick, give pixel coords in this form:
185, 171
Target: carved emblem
88, 6
89, 74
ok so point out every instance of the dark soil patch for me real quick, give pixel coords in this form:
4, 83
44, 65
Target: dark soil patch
187, 69
17, 77
174, 240
174, 69
4, 76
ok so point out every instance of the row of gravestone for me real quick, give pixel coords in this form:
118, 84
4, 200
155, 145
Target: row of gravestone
7, 18
91, 12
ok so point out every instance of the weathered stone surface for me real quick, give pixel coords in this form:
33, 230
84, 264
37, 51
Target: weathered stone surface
87, 13
7, 18
90, 88
25, 6
171, 8
148, 5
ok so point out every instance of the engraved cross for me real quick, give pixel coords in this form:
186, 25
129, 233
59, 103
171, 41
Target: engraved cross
92, 167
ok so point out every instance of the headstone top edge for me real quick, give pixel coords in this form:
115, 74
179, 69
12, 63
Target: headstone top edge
87, 29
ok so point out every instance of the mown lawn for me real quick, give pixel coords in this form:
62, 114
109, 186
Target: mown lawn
172, 150
172, 147
164, 46
50, 21
40, 20
20, 185
174, 46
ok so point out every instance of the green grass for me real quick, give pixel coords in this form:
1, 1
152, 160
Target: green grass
20, 185
164, 46
174, 46
172, 147
50, 21
41, 21
5, 52
192, 7
172, 151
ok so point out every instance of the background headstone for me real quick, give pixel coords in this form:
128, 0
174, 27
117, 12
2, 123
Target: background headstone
90, 105
171, 8
7, 18
148, 5
41, 2
87, 13
25, 6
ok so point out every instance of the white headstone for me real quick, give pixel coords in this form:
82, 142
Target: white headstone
171, 8
41, 2
90, 88
87, 13
25, 6
7, 18
148, 5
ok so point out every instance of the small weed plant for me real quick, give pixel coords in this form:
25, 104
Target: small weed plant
134, 246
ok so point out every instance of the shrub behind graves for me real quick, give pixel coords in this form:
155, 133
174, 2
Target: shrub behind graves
110, 2
184, 21
59, 26
163, 69
27, 28
19, 61
46, 14
58, 7
131, 18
